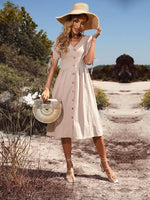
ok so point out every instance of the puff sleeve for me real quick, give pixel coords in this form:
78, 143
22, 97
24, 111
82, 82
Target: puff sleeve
88, 44
56, 51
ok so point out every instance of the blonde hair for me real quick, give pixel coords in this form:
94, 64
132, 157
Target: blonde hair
64, 38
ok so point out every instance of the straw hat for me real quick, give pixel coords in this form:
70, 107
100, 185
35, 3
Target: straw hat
81, 8
47, 112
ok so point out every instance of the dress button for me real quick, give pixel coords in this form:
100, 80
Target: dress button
74, 57
72, 108
73, 73
72, 99
72, 82
72, 117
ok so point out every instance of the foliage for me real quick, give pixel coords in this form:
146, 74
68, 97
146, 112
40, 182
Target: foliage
24, 54
143, 73
104, 73
107, 73
11, 80
8, 55
18, 29
101, 99
146, 100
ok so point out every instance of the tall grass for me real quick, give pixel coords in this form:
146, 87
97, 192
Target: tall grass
20, 121
18, 181
13, 163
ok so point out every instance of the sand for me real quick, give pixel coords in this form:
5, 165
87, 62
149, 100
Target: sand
127, 138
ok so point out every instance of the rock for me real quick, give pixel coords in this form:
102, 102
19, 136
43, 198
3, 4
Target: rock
5, 97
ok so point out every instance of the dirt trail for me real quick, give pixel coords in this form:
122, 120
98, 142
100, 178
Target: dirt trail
127, 138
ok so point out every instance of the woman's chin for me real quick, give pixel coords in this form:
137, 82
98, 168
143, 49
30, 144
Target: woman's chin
76, 32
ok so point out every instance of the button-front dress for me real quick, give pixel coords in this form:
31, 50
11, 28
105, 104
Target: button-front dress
74, 88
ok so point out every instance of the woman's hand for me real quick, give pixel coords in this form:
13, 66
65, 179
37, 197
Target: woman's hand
89, 58
45, 94
94, 37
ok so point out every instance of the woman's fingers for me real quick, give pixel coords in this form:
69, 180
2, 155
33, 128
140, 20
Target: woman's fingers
99, 30
45, 95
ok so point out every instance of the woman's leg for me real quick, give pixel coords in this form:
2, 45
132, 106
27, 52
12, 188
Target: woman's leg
100, 146
66, 144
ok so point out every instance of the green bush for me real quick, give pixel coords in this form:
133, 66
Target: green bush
9, 56
18, 29
146, 100
101, 99
10, 80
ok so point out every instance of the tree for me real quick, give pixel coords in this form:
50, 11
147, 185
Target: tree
17, 29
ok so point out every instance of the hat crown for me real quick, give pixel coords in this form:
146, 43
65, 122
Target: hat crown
80, 6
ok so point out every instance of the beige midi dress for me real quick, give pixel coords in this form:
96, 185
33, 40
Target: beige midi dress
74, 88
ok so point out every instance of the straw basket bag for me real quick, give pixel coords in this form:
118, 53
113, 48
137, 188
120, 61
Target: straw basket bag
47, 112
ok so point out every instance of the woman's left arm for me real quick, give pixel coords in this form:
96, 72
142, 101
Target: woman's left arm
88, 59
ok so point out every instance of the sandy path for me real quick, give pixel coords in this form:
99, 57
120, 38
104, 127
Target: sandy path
127, 138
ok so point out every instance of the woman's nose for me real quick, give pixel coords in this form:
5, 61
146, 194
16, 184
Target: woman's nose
78, 25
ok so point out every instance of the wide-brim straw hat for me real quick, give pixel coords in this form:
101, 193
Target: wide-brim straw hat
47, 112
78, 9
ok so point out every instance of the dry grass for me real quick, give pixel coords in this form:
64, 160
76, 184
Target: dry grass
19, 182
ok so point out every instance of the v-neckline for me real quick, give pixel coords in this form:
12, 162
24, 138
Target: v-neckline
77, 43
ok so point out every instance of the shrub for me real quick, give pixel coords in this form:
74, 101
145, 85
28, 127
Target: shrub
10, 80
146, 100
101, 99
9, 56
20, 120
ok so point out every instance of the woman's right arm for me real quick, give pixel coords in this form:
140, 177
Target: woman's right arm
45, 95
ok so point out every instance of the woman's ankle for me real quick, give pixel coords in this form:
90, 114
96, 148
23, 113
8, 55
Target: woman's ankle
104, 162
69, 163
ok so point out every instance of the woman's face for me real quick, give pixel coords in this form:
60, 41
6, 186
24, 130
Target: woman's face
78, 24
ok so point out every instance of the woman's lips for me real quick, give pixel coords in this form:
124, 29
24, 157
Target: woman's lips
77, 30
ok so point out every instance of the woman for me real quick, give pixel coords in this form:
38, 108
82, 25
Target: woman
74, 87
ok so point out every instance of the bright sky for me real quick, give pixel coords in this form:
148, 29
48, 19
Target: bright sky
125, 25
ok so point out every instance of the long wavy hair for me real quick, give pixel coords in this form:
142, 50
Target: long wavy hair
64, 38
